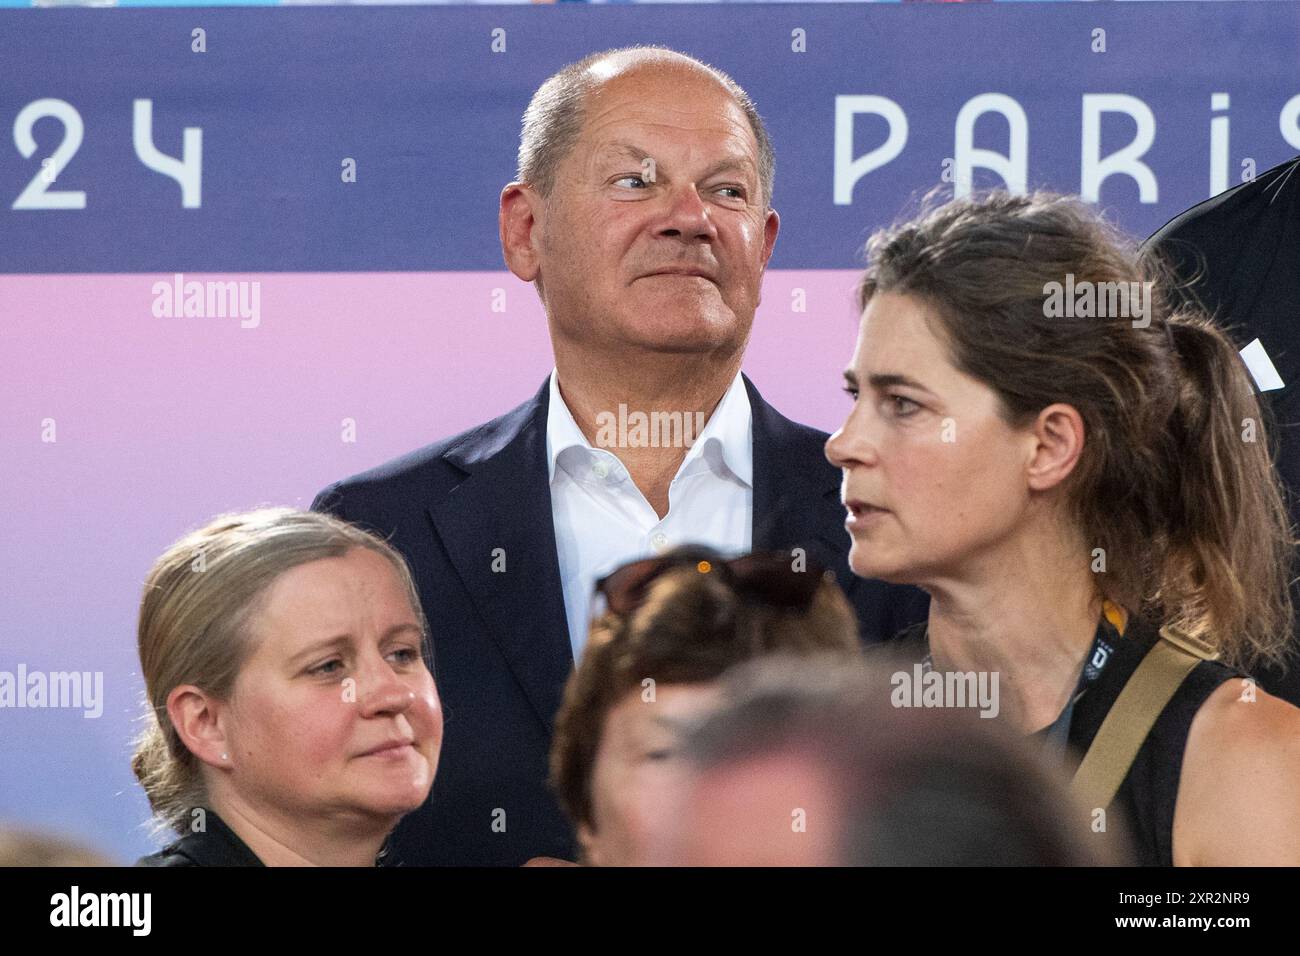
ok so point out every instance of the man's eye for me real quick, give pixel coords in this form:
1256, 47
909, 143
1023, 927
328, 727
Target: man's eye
661, 754
740, 193
635, 179
327, 667
851, 392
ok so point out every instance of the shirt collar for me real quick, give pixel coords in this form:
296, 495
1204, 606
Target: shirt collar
562, 432
725, 444
215, 845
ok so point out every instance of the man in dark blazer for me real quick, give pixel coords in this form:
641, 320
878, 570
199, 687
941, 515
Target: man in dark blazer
642, 213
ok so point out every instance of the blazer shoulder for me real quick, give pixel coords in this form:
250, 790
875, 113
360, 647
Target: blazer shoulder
788, 451
436, 468
771, 425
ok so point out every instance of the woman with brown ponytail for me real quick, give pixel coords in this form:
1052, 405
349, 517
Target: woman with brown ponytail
1079, 476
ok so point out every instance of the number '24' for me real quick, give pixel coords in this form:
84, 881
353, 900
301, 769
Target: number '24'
187, 171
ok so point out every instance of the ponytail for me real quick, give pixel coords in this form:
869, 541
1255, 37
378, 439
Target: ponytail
1226, 575
169, 775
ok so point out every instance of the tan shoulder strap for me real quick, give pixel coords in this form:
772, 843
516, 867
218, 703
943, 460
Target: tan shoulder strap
1132, 716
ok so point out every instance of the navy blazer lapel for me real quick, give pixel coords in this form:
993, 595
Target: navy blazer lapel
796, 490
504, 503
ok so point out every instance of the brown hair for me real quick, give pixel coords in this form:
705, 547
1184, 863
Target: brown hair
195, 615
689, 629
1175, 483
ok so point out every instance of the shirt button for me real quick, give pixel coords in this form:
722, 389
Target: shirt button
660, 541
601, 469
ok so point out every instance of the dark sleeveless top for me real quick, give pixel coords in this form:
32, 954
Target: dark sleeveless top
1150, 790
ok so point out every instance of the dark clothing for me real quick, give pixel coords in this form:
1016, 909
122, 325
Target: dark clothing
1149, 791
1246, 241
501, 649
217, 845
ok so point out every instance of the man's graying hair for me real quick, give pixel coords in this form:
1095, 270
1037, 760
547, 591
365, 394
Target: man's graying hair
554, 118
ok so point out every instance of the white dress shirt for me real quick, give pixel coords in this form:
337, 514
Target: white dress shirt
602, 519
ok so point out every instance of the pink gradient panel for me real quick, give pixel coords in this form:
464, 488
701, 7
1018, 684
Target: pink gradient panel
161, 423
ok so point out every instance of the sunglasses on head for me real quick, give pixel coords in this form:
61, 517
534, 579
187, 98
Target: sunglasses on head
767, 576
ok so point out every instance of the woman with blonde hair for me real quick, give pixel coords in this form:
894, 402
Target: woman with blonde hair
292, 720
1078, 473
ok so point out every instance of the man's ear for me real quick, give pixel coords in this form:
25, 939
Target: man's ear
519, 219
1058, 437
771, 226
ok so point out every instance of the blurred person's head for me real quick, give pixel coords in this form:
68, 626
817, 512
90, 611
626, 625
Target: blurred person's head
642, 205
993, 419
23, 847
282, 654
807, 763
651, 664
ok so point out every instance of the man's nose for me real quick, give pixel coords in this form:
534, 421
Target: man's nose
688, 216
